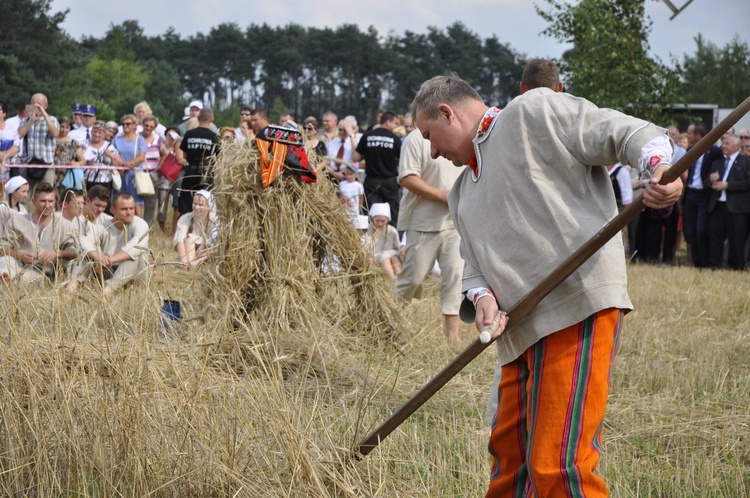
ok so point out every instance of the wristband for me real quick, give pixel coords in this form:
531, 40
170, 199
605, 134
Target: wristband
476, 294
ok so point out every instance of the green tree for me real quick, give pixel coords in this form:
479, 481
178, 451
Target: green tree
114, 74
37, 55
118, 82
163, 91
501, 72
609, 62
717, 76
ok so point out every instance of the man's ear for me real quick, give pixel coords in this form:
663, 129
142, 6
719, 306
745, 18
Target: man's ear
523, 87
560, 87
446, 110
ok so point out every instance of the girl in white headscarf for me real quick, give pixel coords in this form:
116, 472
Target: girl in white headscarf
17, 189
197, 234
382, 240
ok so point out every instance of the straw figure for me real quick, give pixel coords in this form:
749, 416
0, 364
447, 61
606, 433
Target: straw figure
292, 267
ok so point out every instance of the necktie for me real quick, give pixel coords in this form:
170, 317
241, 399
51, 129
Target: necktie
726, 168
340, 154
88, 135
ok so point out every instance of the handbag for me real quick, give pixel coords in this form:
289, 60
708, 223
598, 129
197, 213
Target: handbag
170, 168
116, 180
142, 180
143, 184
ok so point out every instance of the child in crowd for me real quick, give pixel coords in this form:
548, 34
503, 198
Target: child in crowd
383, 241
352, 192
197, 233
362, 225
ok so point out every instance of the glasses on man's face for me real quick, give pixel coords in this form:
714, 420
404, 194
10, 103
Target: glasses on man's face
127, 123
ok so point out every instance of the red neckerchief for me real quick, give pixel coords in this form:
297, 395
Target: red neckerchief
484, 126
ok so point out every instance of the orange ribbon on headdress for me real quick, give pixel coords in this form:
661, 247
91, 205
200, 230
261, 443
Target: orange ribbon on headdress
271, 161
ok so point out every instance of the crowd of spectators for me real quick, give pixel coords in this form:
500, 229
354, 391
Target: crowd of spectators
100, 187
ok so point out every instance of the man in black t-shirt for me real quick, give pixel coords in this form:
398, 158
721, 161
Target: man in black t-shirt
198, 147
381, 148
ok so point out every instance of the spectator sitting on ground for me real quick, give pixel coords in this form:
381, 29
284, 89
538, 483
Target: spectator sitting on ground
37, 245
97, 200
119, 252
72, 210
197, 234
5, 211
17, 189
383, 242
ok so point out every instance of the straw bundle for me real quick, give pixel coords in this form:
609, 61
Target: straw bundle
293, 270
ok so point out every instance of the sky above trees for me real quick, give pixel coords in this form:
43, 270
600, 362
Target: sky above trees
512, 21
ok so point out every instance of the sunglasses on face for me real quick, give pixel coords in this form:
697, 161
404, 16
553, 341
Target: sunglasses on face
309, 128
744, 137
126, 123
244, 114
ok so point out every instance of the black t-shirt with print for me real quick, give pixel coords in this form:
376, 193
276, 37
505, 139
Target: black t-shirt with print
381, 149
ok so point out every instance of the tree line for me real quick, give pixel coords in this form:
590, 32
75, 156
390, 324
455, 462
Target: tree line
308, 71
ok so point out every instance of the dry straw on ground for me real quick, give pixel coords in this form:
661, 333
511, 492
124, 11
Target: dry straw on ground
277, 369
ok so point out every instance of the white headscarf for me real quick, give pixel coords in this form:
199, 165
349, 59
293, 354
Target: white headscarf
14, 184
210, 199
381, 209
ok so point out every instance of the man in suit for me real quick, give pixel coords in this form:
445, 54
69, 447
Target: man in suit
729, 205
696, 197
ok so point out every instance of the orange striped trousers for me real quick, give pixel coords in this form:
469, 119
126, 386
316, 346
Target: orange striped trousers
546, 436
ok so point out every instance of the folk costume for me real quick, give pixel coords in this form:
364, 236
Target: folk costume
108, 239
536, 191
22, 234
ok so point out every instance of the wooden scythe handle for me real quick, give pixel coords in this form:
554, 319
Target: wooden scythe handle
558, 275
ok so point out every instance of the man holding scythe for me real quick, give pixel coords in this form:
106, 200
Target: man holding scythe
534, 192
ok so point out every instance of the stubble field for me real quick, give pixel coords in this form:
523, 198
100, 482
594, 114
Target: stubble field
98, 399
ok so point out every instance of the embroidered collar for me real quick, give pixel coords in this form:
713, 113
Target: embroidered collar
482, 130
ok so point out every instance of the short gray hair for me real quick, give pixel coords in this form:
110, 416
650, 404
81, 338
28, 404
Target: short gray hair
446, 89
736, 139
